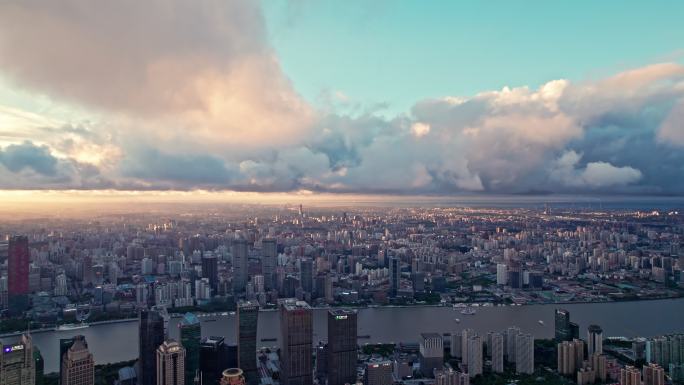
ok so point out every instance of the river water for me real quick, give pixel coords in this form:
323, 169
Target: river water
119, 341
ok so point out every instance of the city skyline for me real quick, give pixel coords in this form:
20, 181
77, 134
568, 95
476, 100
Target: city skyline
299, 98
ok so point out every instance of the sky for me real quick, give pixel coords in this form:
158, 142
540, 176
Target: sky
355, 97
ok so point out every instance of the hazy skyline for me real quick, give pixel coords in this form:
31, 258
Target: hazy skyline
354, 97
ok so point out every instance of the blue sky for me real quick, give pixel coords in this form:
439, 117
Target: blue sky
399, 52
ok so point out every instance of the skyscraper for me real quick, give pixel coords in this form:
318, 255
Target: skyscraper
17, 366
78, 365
395, 274
342, 347
150, 336
210, 270
170, 363
654, 374
18, 260
190, 331
240, 264
497, 352
306, 275
511, 334
524, 353
431, 353
269, 252
214, 358
247, 321
562, 325
594, 340
474, 356
296, 330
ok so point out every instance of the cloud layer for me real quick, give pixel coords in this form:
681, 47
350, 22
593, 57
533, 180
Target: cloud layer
191, 95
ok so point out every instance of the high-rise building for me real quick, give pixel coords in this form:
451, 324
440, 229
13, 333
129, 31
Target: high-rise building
232, 376
474, 356
269, 252
39, 364
378, 373
240, 264
451, 377
629, 375
306, 275
170, 363
654, 374
501, 274
594, 340
431, 353
565, 329
395, 275
78, 365
497, 352
296, 334
570, 356
18, 260
342, 347
151, 334
524, 353
511, 335
214, 358
190, 331
17, 365
210, 271
247, 321
465, 337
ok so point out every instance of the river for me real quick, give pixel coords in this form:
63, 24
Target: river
116, 342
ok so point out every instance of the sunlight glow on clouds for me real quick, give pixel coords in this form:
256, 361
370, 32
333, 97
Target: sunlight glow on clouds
191, 96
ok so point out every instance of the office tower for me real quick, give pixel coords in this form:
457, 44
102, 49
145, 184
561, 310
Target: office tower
378, 373
296, 334
64, 345
418, 279
306, 275
78, 365
17, 366
232, 376
210, 270
639, 348
474, 356
240, 265
214, 358
465, 336
629, 375
594, 340
501, 274
562, 323
190, 331
321, 362
342, 348
269, 252
511, 335
451, 377
39, 364
654, 374
170, 363
456, 345
395, 275
247, 321
497, 352
151, 336
431, 353
515, 278
524, 353
18, 260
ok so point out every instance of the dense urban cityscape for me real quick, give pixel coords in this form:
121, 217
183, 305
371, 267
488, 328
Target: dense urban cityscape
63, 276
